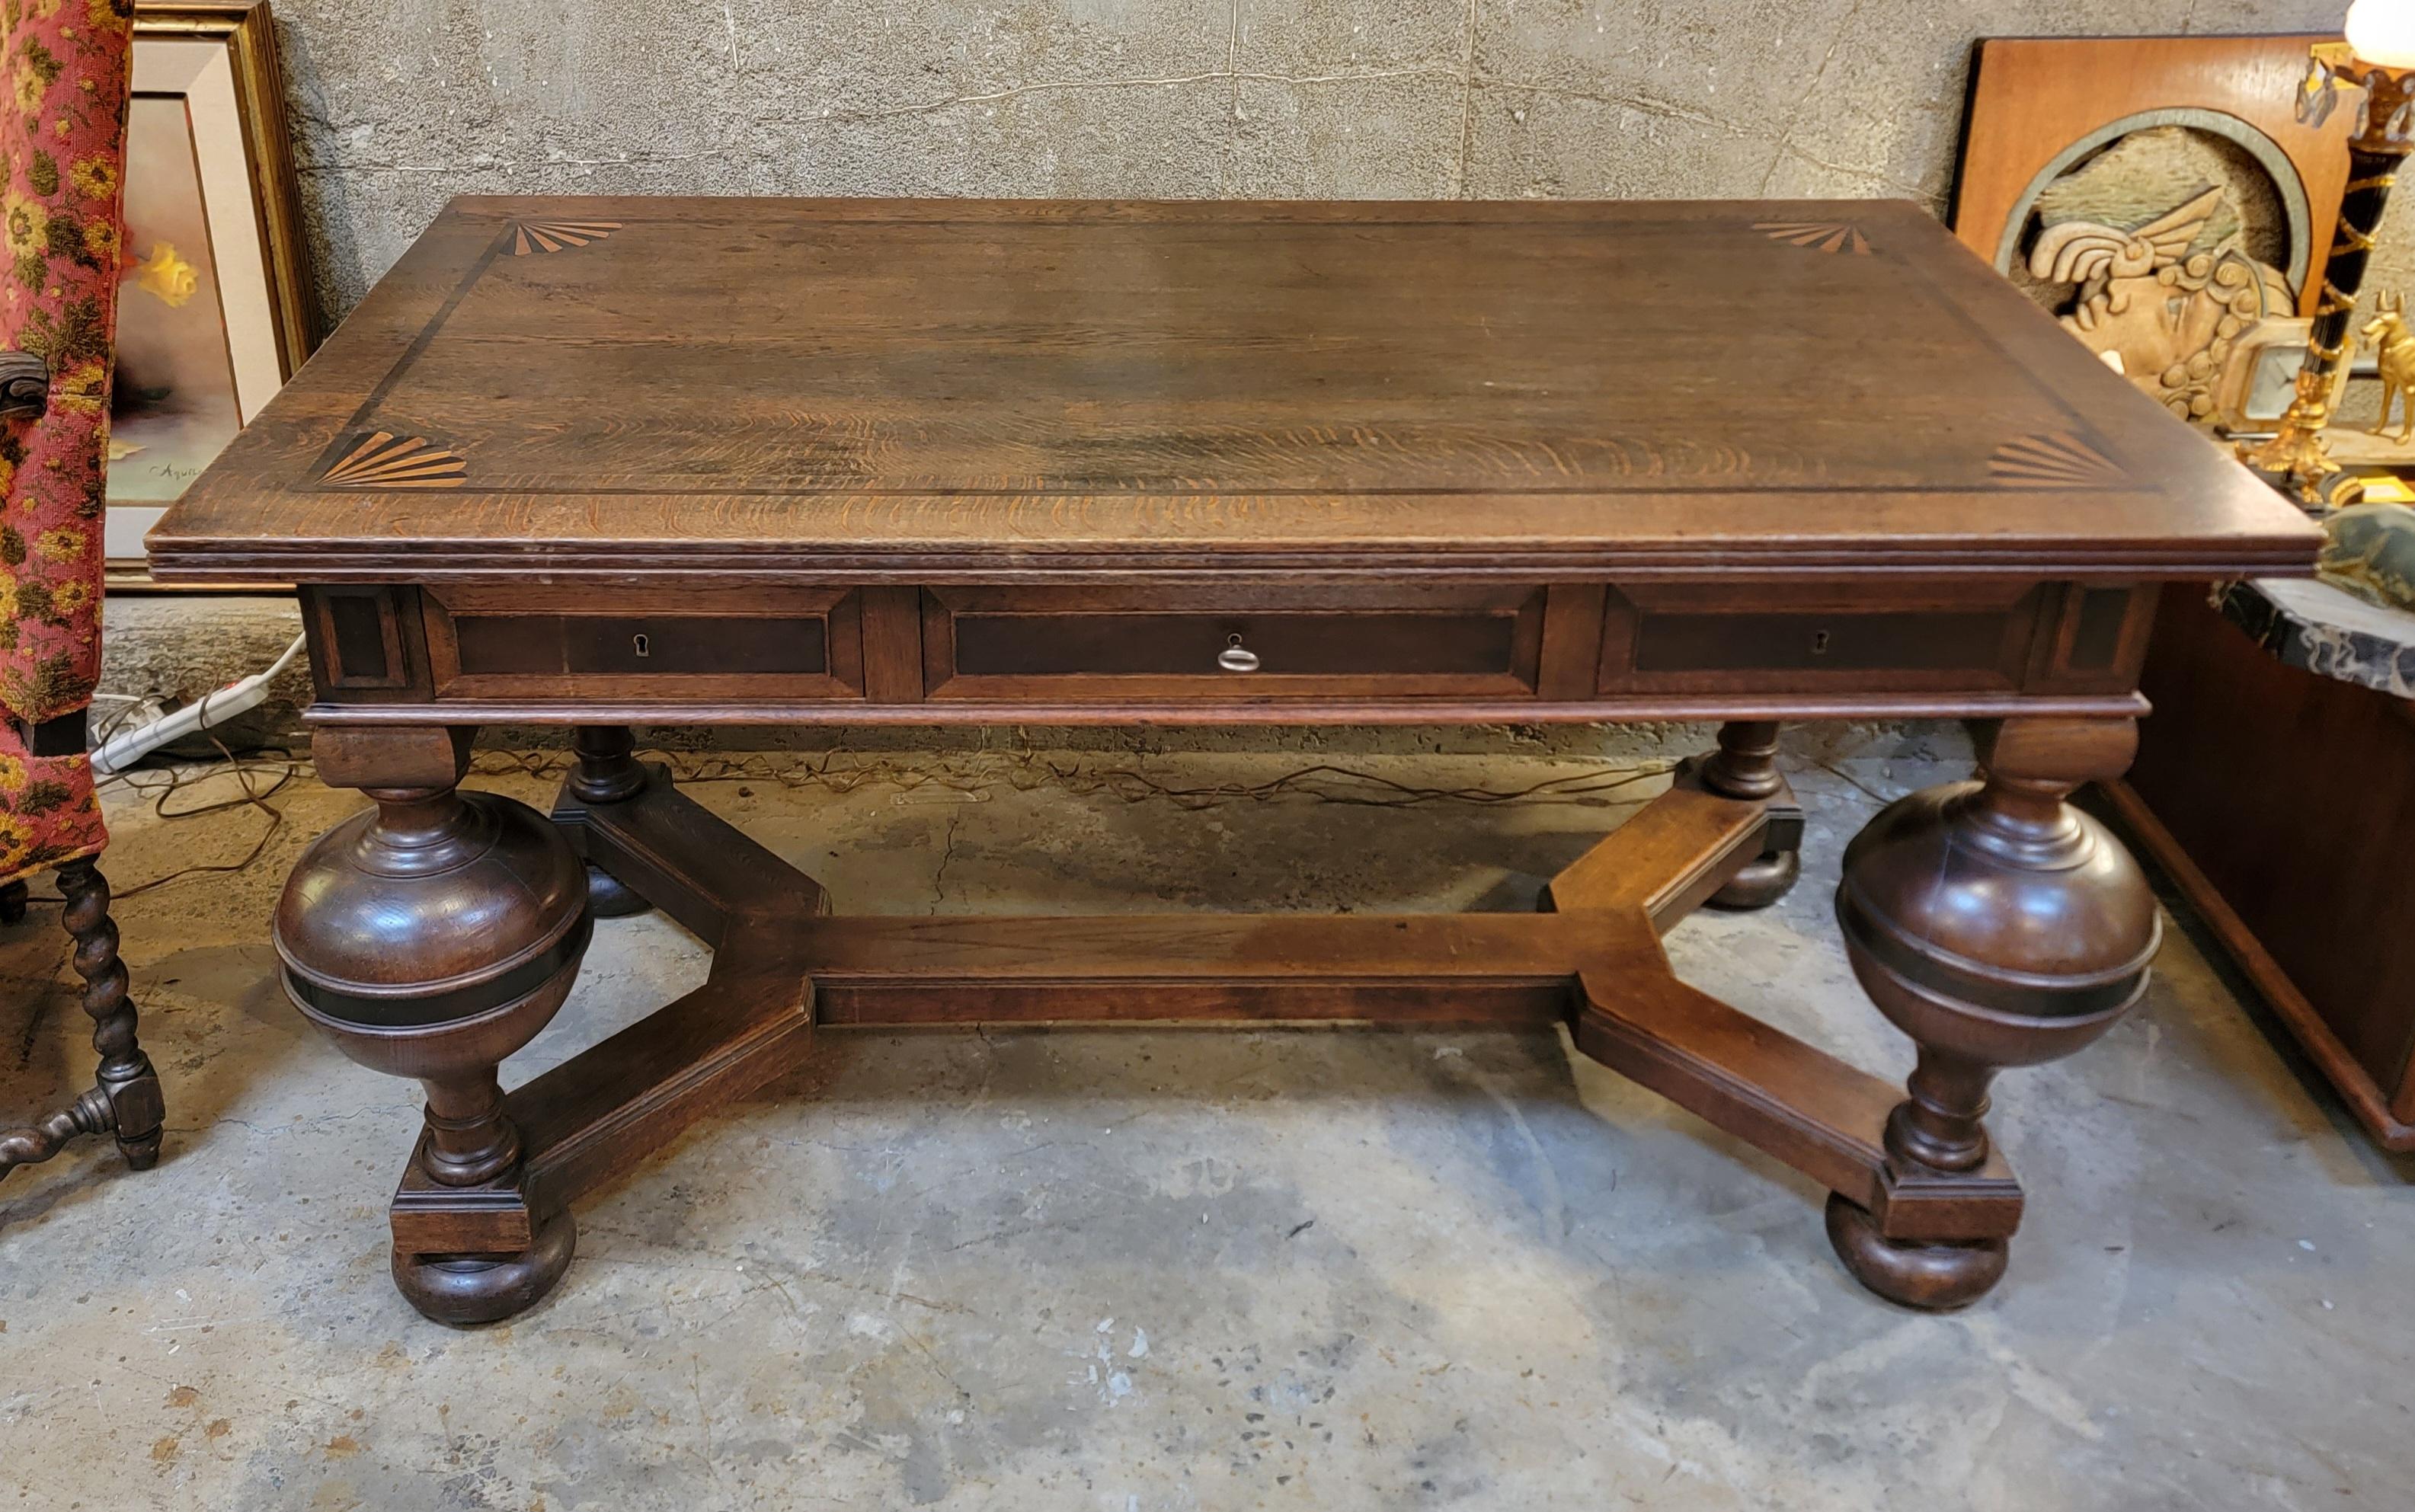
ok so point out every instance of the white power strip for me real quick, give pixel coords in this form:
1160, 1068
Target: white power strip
215, 707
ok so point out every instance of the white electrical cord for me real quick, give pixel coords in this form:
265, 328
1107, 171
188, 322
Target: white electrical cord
215, 707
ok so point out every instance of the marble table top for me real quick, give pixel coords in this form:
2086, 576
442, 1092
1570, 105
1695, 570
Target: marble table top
2310, 624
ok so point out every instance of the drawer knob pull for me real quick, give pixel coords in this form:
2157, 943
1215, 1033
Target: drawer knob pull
1234, 659
642, 645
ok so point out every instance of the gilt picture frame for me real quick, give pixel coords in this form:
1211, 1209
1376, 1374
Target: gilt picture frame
215, 308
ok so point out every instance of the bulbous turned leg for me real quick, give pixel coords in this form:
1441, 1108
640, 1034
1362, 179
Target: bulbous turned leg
431, 937
1996, 926
608, 772
1745, 766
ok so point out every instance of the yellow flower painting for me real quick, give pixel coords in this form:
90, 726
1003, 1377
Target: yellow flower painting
174, 408
169, 276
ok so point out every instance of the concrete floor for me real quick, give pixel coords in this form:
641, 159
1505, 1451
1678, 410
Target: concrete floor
1185, 1269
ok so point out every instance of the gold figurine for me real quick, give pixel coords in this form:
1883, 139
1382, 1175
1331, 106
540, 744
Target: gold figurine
2394, 350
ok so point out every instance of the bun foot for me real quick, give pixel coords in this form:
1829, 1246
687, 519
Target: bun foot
1936, 1278
469, 1290
1759, 884
608, 897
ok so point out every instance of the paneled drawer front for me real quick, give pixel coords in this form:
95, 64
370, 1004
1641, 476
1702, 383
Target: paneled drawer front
1105, 645
768, 642
1797, 638
632, 645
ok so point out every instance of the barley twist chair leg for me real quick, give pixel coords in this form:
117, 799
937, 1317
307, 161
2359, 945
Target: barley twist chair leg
126, 1099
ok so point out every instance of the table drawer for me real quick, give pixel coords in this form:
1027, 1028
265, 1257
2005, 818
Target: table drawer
486, 642
1795, 638
1107, 645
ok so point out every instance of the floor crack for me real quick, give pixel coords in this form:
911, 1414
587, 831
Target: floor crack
947, 857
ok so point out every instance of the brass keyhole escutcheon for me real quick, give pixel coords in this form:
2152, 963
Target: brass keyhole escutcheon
642, 645
1820, 643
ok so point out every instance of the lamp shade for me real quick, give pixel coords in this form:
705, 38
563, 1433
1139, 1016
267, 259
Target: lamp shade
2384, 32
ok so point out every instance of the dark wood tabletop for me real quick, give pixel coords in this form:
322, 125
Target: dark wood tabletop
932, 390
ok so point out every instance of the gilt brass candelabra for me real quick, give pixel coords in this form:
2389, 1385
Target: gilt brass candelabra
2295, 458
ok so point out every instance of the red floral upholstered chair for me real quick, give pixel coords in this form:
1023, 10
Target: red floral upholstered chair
63, 71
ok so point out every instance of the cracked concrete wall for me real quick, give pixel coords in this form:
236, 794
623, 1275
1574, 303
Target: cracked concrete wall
397, 106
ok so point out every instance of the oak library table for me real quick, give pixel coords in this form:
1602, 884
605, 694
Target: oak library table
601, 463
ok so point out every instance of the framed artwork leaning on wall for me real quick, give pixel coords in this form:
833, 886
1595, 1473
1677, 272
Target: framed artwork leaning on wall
216, 310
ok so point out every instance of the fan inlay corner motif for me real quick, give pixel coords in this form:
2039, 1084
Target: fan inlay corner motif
2056, 460
381, 459
1819, 235
538, 236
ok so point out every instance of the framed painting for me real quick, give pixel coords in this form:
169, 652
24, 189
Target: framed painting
215, 310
